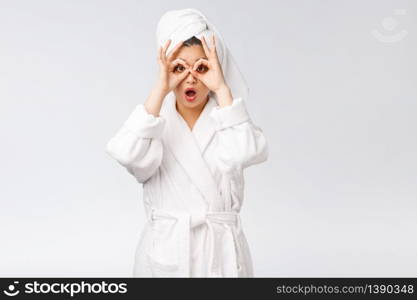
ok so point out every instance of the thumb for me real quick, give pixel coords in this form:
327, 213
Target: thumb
196, 74
180, 77
183, 75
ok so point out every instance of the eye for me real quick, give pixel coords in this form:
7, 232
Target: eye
202, 68
179, 68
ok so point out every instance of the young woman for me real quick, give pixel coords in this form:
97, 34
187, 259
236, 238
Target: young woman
188, 144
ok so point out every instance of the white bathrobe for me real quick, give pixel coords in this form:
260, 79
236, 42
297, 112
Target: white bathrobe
192, 187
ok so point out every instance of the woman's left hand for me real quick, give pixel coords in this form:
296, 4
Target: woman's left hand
209, 71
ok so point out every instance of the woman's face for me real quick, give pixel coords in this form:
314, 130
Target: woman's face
191, 92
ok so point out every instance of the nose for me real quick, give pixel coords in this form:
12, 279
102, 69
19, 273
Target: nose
190, 78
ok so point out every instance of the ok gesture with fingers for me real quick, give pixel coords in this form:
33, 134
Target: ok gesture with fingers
209, 70
172, 71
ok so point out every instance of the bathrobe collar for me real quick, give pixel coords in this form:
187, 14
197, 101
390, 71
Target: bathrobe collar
188, 146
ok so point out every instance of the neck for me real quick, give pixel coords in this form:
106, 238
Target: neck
190, 115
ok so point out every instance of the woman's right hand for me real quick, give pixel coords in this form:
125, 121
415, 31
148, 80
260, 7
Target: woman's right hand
172, 71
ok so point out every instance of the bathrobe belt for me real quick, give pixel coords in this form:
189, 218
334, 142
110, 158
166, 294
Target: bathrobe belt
223, 235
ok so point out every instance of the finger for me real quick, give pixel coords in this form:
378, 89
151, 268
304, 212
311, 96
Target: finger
180, 77
201, 61
177, 62
167, 43
174, 51
180, 61
205, 47
183, 75
196, 74
214, 48
160, 54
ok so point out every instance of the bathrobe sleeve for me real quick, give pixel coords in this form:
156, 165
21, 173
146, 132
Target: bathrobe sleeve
240, 142
137, 144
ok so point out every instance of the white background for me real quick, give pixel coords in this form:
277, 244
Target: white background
338, 195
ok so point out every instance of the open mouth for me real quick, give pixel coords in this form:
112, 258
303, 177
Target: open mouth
190, 94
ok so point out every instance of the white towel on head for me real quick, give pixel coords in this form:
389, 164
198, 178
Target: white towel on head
179, 25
